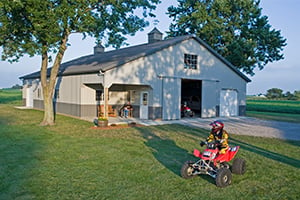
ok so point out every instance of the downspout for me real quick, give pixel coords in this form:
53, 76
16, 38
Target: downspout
162, 94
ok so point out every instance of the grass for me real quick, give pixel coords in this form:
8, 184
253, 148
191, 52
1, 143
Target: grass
278, 106
295, 118
281, 110
73, 161
10, 96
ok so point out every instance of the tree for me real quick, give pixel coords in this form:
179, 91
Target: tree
235, 29
274, 93
297, 94
42, 27
289, 96
16, 86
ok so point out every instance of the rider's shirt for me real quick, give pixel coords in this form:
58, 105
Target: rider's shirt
222, 137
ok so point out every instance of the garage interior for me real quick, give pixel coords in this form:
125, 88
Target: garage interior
191, 94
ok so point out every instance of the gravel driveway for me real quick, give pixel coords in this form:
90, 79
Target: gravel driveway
252, 126
241, 126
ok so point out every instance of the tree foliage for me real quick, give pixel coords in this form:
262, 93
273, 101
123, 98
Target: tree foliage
297, 94
237, 30
292, 96
28, 26
42, 27
274, 93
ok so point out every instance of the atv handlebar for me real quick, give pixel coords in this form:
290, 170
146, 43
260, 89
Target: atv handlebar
202, 143
211, 145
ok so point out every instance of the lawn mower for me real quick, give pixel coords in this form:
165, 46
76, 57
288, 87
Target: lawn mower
214, 164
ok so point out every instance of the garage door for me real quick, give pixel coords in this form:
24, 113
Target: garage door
228, 103
171, 97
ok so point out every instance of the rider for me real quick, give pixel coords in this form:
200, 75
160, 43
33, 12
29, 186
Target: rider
219, 135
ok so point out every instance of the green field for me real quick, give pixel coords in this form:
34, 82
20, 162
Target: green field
292, 107
274, 110
73, 161
10, 96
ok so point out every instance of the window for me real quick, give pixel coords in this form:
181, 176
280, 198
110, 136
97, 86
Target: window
190, 61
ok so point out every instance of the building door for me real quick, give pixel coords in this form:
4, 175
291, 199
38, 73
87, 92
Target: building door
171, 90
144, 105
29, 97
228, 103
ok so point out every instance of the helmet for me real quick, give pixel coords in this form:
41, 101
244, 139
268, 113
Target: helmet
216, 126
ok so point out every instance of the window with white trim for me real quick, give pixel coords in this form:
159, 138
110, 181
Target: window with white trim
190, 61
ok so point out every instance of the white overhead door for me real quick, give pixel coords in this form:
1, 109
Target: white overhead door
228, 103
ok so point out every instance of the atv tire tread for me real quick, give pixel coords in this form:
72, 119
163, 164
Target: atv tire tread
239, 166
223, 178
187, 170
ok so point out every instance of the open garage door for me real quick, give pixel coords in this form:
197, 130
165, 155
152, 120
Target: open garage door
191, 91
228, 103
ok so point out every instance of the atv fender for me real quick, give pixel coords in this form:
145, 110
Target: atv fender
228, 156
232, 152
197, 153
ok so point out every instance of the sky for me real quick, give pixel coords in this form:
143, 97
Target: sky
284, 74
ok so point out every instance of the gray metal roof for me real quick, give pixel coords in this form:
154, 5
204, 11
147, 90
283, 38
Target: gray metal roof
111, 59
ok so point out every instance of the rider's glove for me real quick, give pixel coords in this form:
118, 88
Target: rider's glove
202, 143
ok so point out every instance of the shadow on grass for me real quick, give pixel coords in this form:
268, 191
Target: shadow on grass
166, 151
266, 153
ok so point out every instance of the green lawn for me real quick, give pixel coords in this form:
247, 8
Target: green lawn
73, 161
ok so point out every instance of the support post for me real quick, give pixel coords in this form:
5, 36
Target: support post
105, 102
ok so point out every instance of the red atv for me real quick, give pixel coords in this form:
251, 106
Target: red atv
214, 164
186, 111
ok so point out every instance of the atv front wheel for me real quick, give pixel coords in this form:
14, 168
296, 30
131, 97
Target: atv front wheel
187, 170
239, 166
223, 178
192, 114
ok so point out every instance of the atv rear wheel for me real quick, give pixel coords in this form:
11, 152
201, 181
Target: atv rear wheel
239, 166
223, 178
187, 170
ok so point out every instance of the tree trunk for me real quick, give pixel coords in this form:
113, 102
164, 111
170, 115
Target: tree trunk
48, 109
48, 84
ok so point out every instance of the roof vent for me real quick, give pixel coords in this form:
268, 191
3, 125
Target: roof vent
154, 36
98, 49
